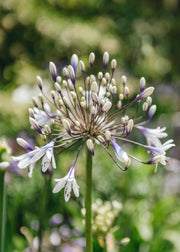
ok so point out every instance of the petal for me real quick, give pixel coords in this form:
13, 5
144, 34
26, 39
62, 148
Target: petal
61, 183
75, 188
67, 191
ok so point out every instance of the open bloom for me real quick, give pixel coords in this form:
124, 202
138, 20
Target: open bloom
69, 182
94, 110
153, 135
30, 158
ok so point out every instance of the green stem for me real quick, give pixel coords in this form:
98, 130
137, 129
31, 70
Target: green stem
2, 210
88, 202
42, 207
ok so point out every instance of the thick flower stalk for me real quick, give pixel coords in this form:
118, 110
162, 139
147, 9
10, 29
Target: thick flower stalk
96, 112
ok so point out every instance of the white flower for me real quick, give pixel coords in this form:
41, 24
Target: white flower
159, 153
30, 158
153, 135
43, 117
69, 182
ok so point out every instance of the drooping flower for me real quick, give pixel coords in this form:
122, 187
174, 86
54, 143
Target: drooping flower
30, 158
69, 182
153, 135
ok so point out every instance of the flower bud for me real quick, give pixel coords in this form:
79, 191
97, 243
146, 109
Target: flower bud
35, 125
126, 91
59, 79
106, 107
113, 64
39, 82
108, 135
105, 60
121, 97
82, 66
70, 85
104, 82
145, 107
24, 144
101, 139
41, 99
35, 102
95, 97
151, 112
119, 104
124, 79
113, 82
65, 83
149, 101
31, 113
90, 146
53, 70
81, 90
92, 110
57, 87
65, 72
74, 62
74, 95
129, 126
53, 94
91, 59
107, 76
148, 91
114, 90
72, 74
47, 129
142, 83
94, 87
66, 125
100, 76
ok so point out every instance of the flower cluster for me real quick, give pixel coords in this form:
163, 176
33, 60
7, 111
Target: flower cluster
94, 113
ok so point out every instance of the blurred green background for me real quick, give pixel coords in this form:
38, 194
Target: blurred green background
144, 37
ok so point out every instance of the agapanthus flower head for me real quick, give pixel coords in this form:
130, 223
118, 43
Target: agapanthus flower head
92, 110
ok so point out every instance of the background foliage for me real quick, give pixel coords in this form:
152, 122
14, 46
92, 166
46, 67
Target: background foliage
144, 38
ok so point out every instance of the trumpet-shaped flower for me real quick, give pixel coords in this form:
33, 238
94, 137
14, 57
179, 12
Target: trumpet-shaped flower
30, 158
69, 182
153, 135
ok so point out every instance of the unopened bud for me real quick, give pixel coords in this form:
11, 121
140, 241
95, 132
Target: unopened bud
72, 74
66, 125
53, 94
108, 94
102, 102
95, 97
142, 83
74, 62
59, 79
81, 90
128, 163
129, 126
91, 59
53, 70
94, 87
113, 64
149, 101
74, 95
104, 82
92, 110
34, 100
39, 82
100, 76
123, 120
106, 107
70, 85
124, 241
124, 79
60, 102
57, 87
119, 104
108, 135
82, 66
126, 91
90, 146
114, 90
101, 139
77, 123
105, 60
121, 97
148, 91
151, 112
107, 76
41, 99
31, 113
145, 107
65, 83
35, 125
65, 72
24, 144
113, 82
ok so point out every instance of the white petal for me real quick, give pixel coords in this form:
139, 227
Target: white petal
67, 191
75, 188
58, 187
